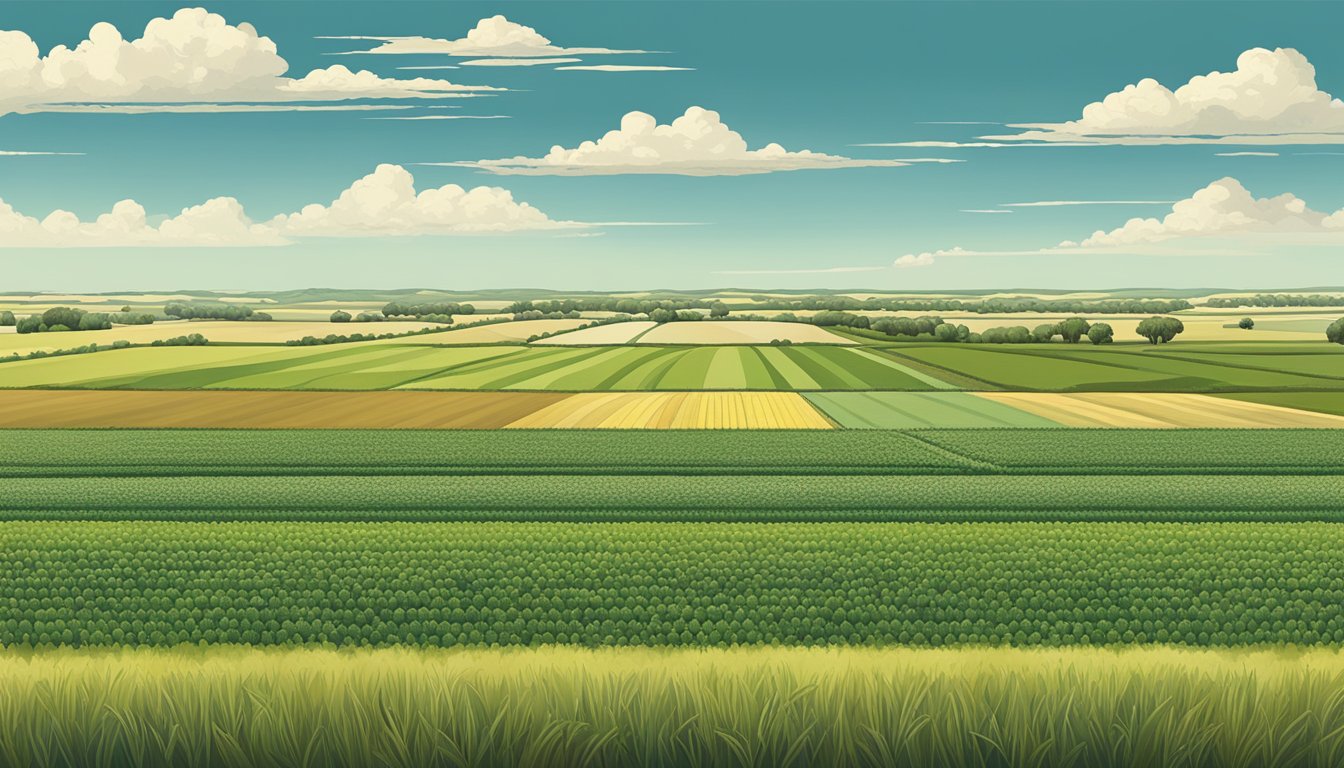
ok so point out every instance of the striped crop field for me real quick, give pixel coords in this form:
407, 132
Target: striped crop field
919, 410
677, 410
613, 333
106, 409
1159, 410
367, 366
740, 332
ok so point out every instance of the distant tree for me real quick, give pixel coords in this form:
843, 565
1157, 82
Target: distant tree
718, 309
95, 321
945, 332
1044, 333
1074, 329
62, 316
340, 316
7, 318
1159, 330
661, 315
30, 324
1100, 333
1335, 332
1246, 323
126, 308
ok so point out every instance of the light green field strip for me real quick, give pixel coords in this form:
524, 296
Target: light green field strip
907, 370
796, 377
125, 366
921, 410
580, 368
831, 365
725, 370
599, 373
429, 363
485, 373
689, 371
648, 374
302, 375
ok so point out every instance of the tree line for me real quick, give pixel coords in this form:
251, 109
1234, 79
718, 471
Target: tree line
212, 311
1277, 300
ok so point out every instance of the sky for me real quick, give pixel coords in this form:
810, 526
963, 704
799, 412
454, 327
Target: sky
758, 144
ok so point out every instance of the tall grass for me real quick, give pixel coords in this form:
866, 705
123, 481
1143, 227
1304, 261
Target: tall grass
764, 707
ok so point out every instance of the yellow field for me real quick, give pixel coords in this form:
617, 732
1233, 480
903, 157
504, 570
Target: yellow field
1165, 410
616, 333
273, 332
677, 410
738, 332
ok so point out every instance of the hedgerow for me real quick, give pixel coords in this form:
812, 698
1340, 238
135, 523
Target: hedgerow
671, 584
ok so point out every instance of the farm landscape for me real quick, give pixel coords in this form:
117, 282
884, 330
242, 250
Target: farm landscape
830, 438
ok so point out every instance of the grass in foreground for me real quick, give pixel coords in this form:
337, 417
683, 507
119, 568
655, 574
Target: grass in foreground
764, 707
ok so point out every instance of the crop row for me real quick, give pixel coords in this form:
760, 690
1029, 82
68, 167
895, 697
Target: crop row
1274, 496
671, 584
64, 453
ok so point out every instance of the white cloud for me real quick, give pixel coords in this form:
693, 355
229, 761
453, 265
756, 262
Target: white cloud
516, 62
195, 56
623, 68
1246, 154
492, 37
220, 221
1222, 208
385, 203
1270, 98
695, 144
912, 260
381, 204
1223, 215
21, 153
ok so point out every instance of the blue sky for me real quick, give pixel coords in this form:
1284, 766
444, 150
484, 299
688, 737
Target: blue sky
826, 77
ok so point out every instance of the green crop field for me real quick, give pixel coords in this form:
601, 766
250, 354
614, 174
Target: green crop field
166, 583
387, 366
914, 410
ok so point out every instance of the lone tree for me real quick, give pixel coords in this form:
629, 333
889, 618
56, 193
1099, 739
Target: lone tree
1100, 333
1160, 330
7, 318
1074, 329
718, 309
1335, 333
1246, 323
340, 316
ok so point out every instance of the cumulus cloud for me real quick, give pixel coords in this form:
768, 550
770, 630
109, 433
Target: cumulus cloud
216, 222
696, 144
1224, 207
495, 36
1270, 98
384, 203
1221, 212
195, 56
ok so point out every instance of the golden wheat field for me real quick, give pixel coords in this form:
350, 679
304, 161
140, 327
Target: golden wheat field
225, 331
677, 410
740, 332
614, 333
1159, 410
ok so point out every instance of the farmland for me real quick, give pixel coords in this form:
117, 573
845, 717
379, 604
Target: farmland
674, 504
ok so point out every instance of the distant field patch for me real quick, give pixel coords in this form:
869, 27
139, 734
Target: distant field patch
919, 410
267, 410
677, 410
739, 332
492, 333
219, 331
614, 333
1158, 410
1322, 402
